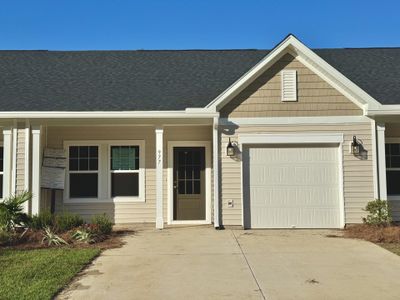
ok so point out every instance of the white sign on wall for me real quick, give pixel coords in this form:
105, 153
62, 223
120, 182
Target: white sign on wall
53, 169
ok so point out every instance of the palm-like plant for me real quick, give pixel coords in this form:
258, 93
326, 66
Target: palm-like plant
51, 238
12, 211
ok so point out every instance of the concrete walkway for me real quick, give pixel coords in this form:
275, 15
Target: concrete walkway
202, 263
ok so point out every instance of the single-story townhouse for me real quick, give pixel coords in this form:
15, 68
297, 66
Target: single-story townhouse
291, 137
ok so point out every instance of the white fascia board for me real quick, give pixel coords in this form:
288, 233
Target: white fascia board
295, 138
384, 110
200, 113
293, 120
290, 44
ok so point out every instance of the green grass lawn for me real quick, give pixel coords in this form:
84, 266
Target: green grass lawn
39, 274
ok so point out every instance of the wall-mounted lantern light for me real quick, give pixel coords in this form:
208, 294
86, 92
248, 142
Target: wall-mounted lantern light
230, 149
355, 146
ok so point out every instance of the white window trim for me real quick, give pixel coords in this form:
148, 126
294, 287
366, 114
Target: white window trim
392, 141
141, 171
104, 178
288, 99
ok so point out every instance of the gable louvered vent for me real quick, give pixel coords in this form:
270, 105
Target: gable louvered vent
289, 85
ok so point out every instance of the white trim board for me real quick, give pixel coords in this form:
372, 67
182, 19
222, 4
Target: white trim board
294, 120
190, 113
295, 138
292, 45
170, 180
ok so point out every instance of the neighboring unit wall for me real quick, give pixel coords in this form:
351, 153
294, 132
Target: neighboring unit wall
315, 96
392, 130
127, 212
358, 173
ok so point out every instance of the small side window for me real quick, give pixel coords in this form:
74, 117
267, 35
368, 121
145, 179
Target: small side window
289, 85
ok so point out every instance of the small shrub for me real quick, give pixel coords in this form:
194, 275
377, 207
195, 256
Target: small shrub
6, 237
379, 213
103, 223
67, 221
51, 238
42, 220
12, 211
84, 236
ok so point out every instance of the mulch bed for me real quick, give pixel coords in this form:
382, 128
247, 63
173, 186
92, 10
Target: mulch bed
33, 240
375, 234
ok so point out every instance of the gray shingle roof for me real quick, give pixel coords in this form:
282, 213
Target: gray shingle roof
161, 80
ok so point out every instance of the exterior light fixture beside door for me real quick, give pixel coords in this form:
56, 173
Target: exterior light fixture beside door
355, 146
230, 149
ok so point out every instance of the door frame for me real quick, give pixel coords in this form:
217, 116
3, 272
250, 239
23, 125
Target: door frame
244, 140
170, 180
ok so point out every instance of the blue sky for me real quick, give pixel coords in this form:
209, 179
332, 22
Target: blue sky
205, 24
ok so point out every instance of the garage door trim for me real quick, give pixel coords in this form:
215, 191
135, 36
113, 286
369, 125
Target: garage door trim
297, 138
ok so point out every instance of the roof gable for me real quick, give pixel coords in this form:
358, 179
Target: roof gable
311, 60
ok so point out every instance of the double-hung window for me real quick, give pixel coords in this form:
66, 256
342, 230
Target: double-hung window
393, 169
83, 171
125, 175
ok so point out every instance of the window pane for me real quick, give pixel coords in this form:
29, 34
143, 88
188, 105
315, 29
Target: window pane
395, 161
83, 185
125, 158
393, 182
394, 149
93, 152
196, 187
1, 186
83, 164
73, 152
124, 184
181, 187
189, 189
93, 164
73, 164
83, 151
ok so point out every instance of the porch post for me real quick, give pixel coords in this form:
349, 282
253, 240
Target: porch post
36, 166
159, 177
216, 172
381, 161
7, 161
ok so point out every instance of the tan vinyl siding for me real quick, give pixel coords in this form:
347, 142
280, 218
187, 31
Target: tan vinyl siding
127, 212
358, 174
315, 96
392, 130
20, 163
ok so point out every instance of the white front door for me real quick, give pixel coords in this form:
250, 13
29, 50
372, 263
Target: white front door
294, 186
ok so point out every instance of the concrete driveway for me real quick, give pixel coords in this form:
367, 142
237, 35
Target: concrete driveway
202, 263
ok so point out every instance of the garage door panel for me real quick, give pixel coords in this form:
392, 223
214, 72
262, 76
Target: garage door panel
294, 186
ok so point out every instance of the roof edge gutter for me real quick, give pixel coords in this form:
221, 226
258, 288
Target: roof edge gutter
108, 114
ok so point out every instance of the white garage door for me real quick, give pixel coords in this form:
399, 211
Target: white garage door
291, 186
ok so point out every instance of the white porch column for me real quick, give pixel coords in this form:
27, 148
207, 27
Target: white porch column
159, 177
381, 161
36, 166
216, 172
7, 161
